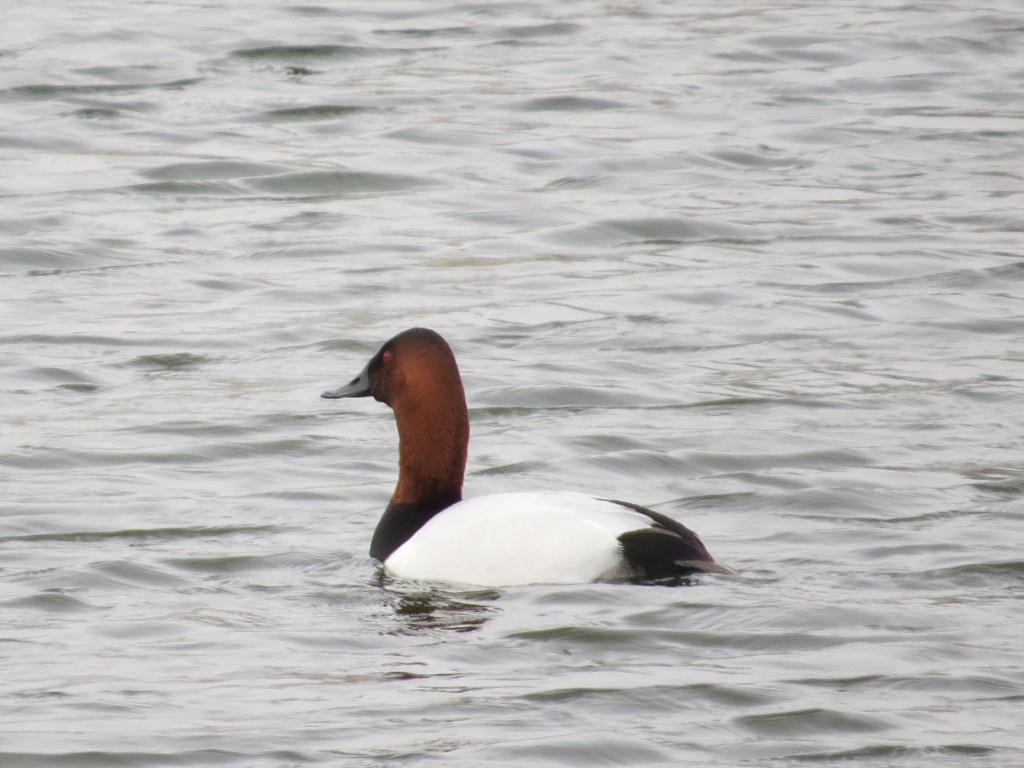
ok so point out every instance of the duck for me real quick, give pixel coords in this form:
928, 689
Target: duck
429, 533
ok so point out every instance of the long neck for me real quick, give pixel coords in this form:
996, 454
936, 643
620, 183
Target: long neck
432, 440
433, 433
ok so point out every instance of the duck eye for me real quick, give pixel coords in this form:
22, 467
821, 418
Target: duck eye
386, 357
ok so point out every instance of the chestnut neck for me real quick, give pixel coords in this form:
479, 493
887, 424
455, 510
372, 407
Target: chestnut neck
432, 439
433, 436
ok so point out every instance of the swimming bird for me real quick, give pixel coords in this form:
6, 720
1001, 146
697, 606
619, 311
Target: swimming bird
429, 533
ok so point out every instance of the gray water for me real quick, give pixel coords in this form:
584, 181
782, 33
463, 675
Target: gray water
759, 267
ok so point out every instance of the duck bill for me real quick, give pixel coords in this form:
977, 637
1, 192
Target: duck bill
358, 387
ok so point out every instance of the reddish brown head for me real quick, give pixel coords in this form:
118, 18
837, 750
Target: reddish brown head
416, 374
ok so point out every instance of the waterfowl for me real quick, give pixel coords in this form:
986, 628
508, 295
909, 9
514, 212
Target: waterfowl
429, 533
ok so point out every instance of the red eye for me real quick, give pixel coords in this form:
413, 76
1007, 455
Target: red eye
386, 357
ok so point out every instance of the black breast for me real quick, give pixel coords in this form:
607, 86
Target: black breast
401, 521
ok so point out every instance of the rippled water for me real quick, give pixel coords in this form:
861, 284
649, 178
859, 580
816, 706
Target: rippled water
759, 267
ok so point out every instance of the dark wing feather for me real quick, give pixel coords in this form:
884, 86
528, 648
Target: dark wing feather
665, 548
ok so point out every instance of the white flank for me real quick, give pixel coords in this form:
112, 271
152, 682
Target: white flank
508, 539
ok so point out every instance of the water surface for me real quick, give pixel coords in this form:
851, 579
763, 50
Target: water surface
758, 268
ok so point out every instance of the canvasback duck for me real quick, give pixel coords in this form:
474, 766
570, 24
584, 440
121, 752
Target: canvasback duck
429, 533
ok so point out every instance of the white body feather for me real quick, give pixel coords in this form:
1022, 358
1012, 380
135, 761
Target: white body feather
509, 539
